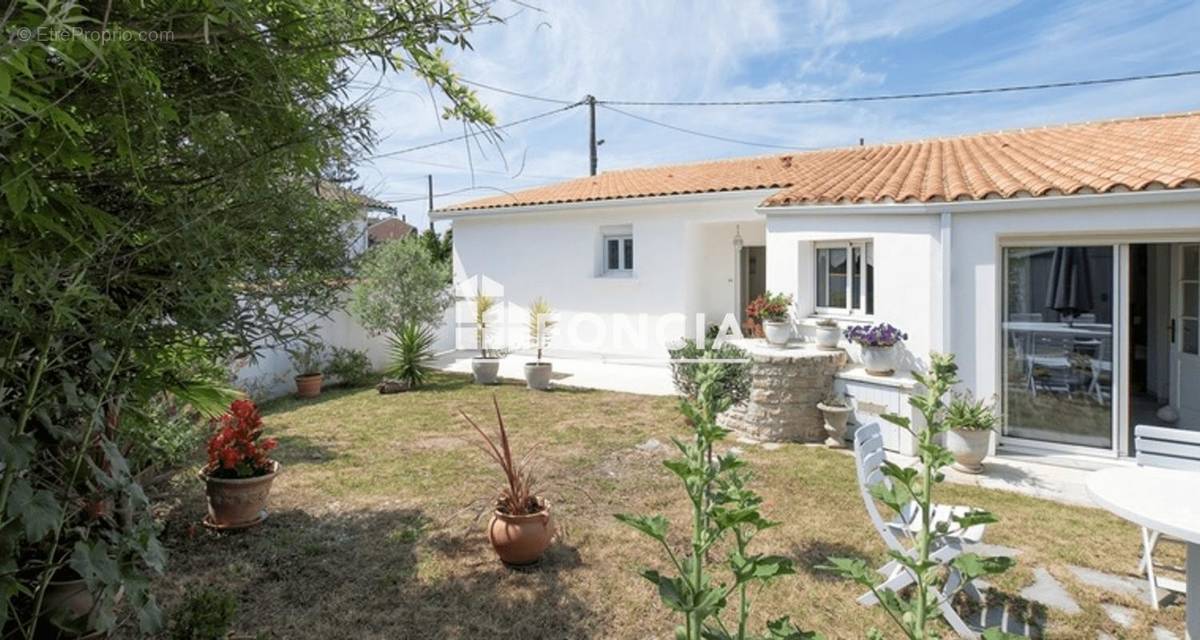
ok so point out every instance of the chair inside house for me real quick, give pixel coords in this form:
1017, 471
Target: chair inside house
898, 533
1168, 448
1048, 364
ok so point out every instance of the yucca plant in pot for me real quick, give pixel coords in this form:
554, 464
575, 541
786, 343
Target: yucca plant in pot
537, 373
877, 344
485, 366
239, 472
772, 310
970, 423
309, 362
521, 527
828, 334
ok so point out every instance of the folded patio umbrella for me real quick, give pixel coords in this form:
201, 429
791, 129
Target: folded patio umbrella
1070, 290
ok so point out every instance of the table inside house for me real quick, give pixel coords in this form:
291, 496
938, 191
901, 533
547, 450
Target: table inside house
1161, 500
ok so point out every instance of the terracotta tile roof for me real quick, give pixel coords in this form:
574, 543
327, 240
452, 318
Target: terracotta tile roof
1099, 157
389, 229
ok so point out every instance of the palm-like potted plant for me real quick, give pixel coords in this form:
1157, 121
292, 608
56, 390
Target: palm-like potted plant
836, 411
878, 346
521, 527
828, 334
411, 350
970, 424
309, 362
239, 472
537, 374
485, 366
773, 310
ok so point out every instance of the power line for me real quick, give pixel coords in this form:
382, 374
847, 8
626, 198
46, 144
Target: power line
701, 133
487, 171
515, 93
474, 134
907, 96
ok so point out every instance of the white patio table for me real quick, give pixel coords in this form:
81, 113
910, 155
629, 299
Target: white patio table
1163, 500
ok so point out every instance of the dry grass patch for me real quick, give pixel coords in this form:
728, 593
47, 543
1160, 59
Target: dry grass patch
373, 533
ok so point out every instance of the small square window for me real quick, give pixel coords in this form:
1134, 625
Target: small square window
845, 278
618, 254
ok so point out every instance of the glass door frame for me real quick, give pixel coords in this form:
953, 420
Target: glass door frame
1120, 315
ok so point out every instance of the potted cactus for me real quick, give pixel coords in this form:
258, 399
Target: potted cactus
878, 346
836, 411
772, 310
239, 472
828, 334
521, 527
969, 437
485, 366
537, 373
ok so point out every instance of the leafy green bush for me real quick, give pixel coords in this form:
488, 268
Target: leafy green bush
733, 379
206, 614
412, 351
400, 284
350, 366
164, 435
725, 517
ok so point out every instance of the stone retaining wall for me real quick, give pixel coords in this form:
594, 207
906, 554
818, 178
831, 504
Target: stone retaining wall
785, 387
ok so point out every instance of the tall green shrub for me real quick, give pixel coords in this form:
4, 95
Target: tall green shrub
725, 519
160, 194
400, 283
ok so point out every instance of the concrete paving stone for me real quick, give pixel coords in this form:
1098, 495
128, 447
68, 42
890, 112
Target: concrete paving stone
991, 550
1050, 592
1124, 585
1123, 616
1163, 633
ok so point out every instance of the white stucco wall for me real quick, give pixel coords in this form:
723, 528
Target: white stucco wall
682, 265
905, 247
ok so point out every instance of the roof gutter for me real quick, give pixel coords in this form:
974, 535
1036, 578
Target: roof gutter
1122, 198
758, 195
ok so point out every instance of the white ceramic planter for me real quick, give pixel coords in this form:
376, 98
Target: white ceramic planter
777, 332
537, 375
835, 424
827, 337
485, 370
969, 448
879, 361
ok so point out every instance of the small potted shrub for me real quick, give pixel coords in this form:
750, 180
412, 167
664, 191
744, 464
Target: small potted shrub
828, 334
239, 472
878, 344
485, 366
836, 411
969, 437
772, 310
537, 374
309, 362
521, 527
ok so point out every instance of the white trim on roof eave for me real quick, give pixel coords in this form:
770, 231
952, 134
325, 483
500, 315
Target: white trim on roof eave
757, 195
1184, 194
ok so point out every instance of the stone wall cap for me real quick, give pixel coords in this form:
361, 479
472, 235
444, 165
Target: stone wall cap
902, 380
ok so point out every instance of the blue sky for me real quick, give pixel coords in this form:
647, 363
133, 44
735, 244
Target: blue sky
763, 49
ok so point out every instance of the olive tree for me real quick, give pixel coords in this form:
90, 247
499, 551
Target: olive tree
399, 284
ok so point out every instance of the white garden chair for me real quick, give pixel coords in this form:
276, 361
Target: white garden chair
869, 457
1171, 448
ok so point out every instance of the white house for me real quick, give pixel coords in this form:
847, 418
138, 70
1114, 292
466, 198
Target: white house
1061, 264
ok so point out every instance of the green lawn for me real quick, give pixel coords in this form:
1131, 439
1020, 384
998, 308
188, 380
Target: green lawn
374, 533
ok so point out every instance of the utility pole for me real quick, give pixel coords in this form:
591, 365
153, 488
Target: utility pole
430, 212
591, 103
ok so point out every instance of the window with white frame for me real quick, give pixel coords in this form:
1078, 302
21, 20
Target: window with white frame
618, 254
845, 277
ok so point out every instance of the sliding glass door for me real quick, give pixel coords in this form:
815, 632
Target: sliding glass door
1058, 344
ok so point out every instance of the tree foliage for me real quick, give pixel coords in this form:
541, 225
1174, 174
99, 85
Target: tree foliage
400, 284
158, 206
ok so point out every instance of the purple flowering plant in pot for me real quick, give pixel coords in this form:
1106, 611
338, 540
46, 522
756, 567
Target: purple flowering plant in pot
878, 346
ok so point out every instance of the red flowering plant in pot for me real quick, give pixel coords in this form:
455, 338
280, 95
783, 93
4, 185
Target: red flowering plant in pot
239, 472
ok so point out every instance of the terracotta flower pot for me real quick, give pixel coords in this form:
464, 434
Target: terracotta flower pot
309, 385
485, 370
778, 332
969, 447
238, 502
537, 375
835, 424
521, 540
